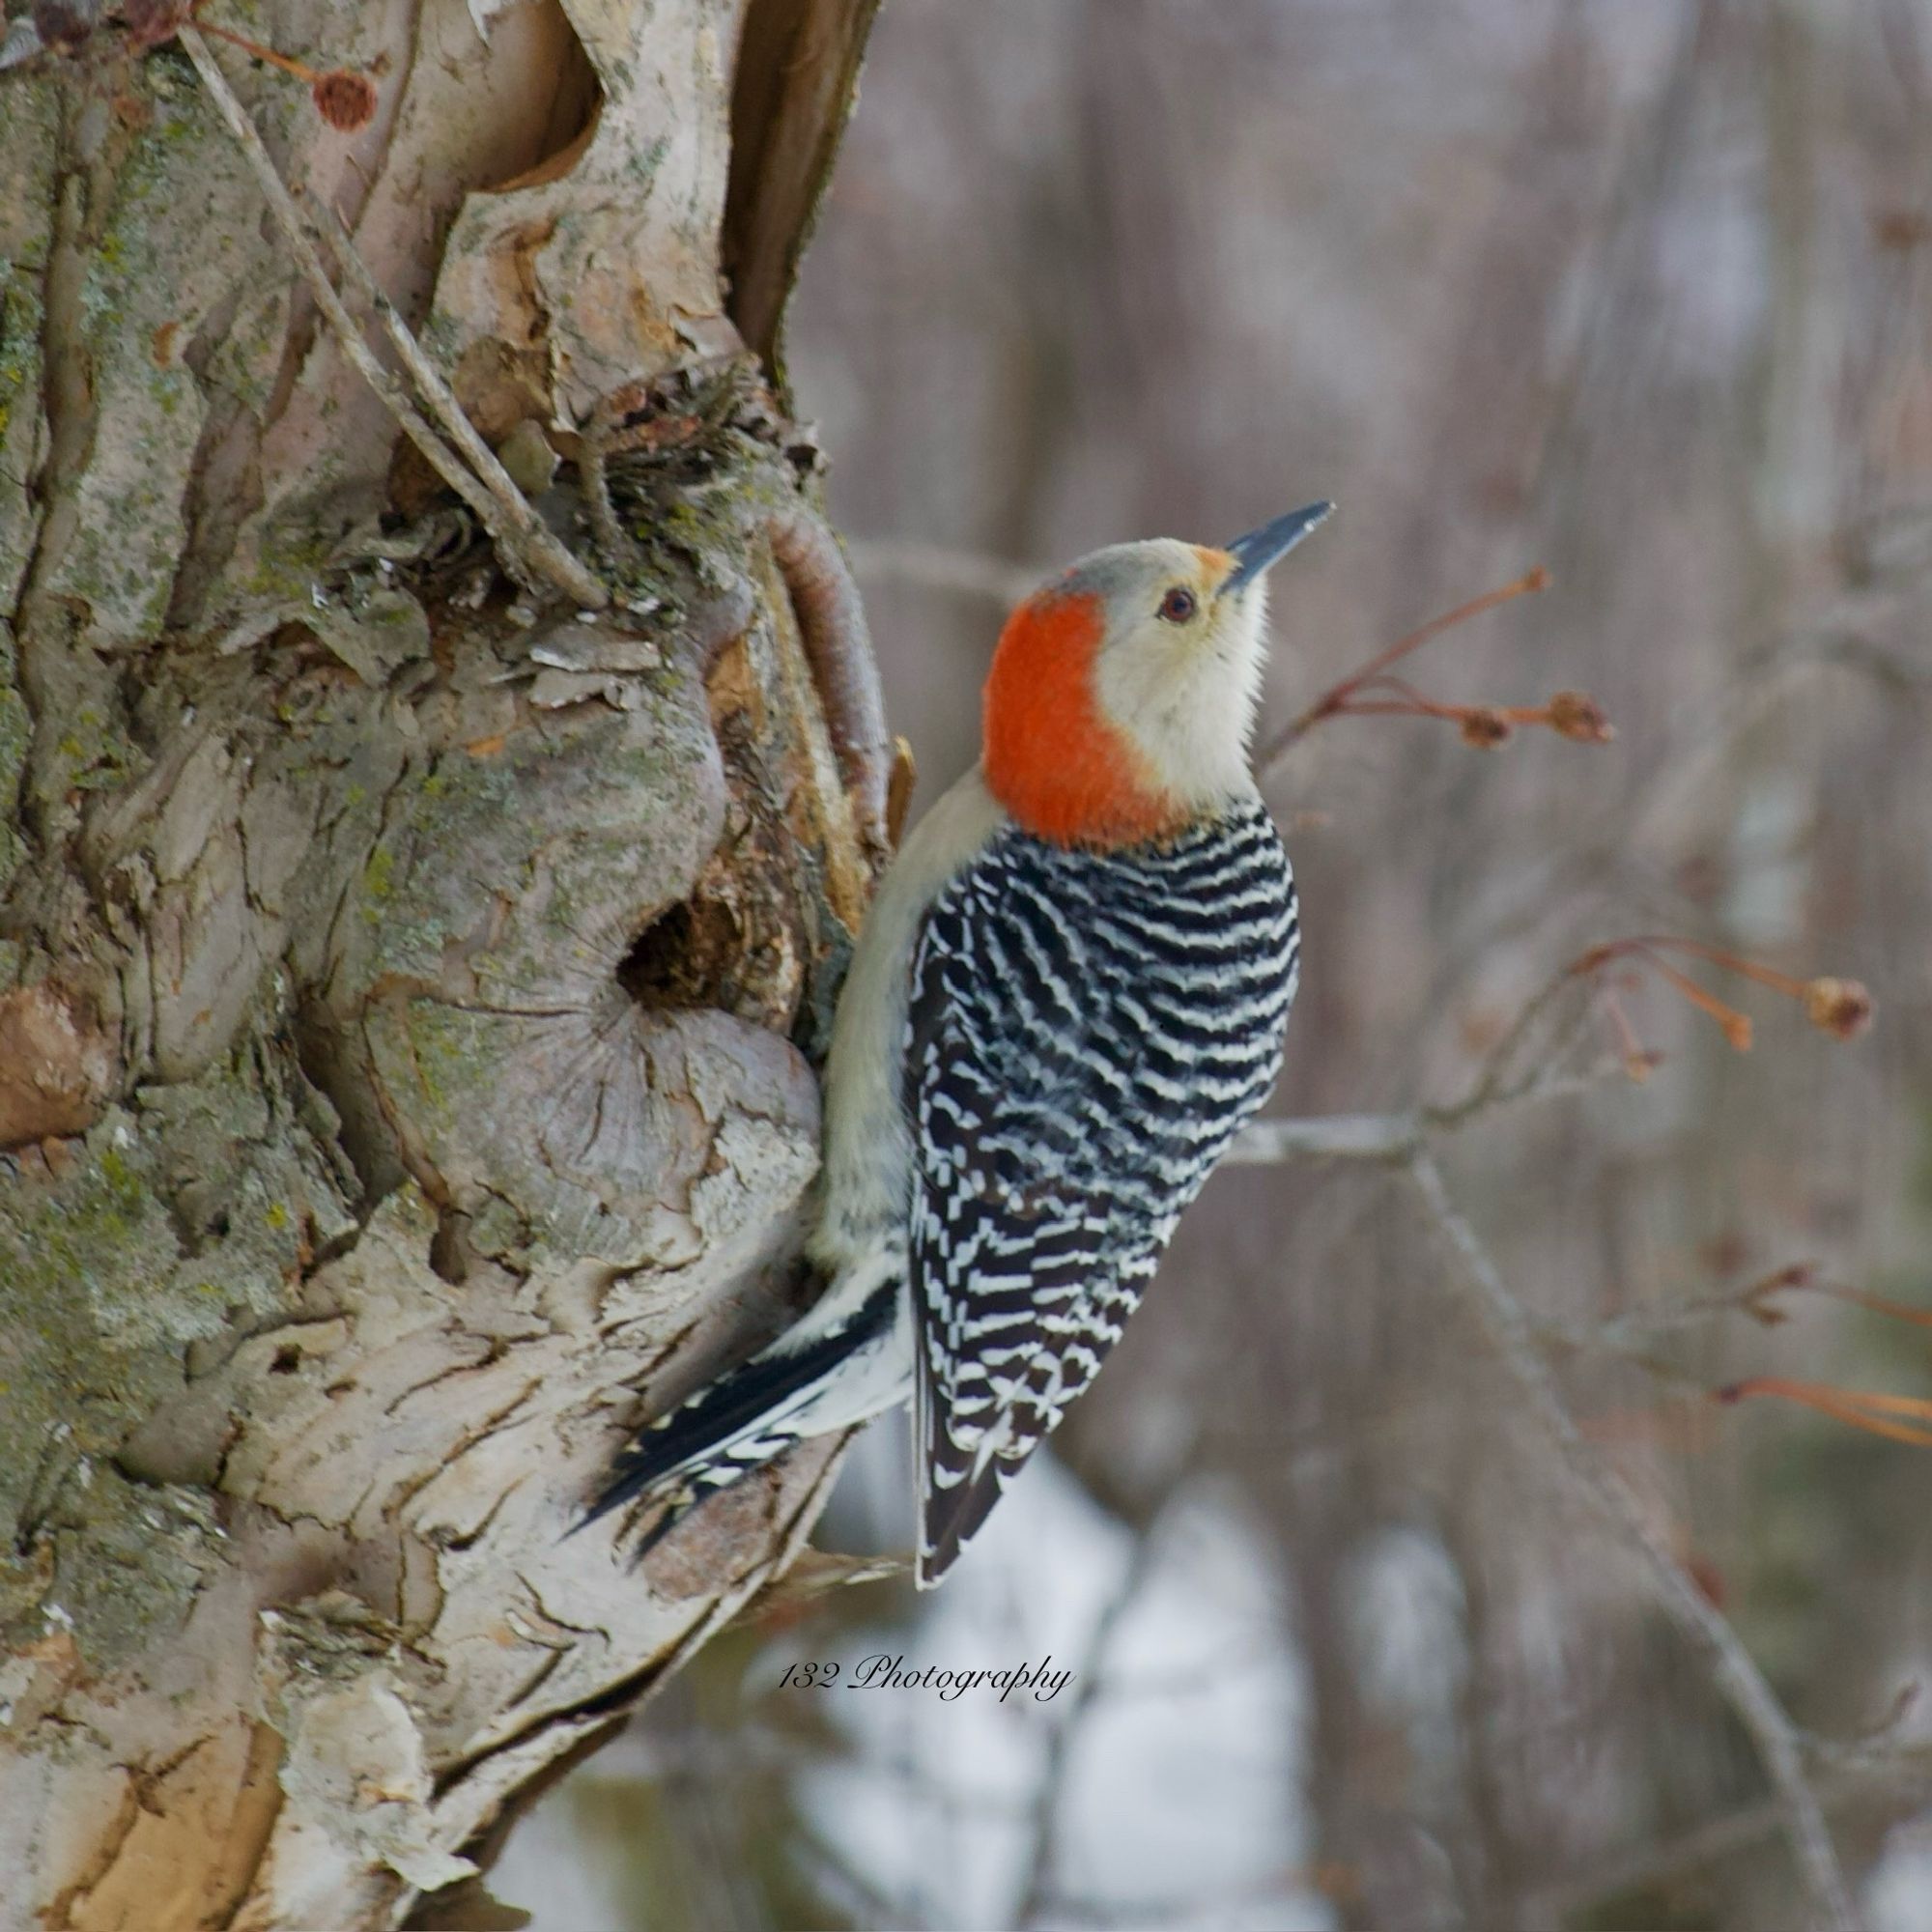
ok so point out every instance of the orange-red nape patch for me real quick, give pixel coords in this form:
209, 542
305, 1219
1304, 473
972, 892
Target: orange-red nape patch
1062, 771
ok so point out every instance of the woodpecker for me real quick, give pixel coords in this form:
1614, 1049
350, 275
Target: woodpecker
1070, 991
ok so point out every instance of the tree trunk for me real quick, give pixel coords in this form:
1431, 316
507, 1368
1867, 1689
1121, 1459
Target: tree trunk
409, 977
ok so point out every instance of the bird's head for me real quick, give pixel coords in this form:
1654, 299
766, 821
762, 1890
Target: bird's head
1122, 693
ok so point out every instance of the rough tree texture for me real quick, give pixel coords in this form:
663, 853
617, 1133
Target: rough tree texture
407, 985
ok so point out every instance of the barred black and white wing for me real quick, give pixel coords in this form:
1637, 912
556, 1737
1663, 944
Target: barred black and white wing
1087, 1032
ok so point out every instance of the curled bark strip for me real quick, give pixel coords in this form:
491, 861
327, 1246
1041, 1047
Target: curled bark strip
56, 1067
798, 71
899, 790
832, 621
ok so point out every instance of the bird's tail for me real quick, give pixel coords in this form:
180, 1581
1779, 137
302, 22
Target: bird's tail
805, 1384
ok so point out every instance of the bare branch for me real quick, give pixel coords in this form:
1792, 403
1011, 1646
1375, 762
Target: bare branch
867, 1901
1326, 1137
935, 567
594, 439
1395, 1136
1743, 1686
1037, 1898
1203, 1909
1653, 1865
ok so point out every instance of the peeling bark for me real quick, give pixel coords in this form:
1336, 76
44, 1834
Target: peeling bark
408, 983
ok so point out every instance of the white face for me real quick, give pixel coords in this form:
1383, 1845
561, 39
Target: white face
1179, 671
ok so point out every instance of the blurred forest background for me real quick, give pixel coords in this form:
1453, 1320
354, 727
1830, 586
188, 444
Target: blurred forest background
1639, 290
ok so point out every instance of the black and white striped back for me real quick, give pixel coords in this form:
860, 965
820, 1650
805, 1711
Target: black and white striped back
1087, 1029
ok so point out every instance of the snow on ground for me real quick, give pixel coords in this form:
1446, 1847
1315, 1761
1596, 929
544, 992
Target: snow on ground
1181, 1783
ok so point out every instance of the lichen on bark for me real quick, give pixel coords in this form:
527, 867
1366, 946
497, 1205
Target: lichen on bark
412, 981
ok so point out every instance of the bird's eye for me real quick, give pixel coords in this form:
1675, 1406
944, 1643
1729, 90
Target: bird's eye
1178, 606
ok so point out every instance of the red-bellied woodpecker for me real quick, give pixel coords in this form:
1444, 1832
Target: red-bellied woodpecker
1070, 992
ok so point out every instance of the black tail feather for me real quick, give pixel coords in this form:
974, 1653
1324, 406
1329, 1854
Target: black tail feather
720, 1413
953, 1518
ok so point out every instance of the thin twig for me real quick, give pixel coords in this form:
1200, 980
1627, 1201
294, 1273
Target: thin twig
1336, 698
593, 441
1388, 1137
1641, 1327
556, 561
1651, 1867
520, 534
1743, 1686
1524, 1092
1036, 1892
1283, 1894
298, 69
866, 1900
1494, 1085
1326, 1137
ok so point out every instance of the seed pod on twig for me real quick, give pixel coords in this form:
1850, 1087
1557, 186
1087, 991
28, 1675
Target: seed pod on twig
1485, 728
1576, 714
1841, 1008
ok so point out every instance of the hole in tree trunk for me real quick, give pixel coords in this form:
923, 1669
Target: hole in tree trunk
691, 955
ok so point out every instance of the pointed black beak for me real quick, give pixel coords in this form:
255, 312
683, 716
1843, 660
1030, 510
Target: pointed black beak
1260, 549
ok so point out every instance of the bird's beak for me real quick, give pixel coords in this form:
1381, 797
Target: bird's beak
1260, 549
